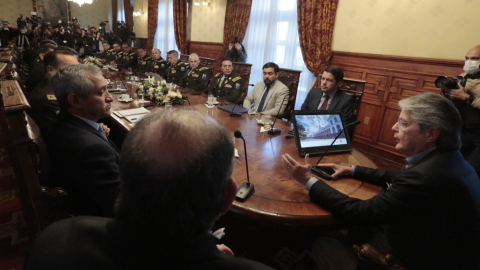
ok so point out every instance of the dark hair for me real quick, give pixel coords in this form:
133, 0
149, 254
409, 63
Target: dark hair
103, 42
132, 34
125, 43
174, 169
45, 48
116, 42
51, 59
226, 60
173, 52
272, 65
67, 49
337, 72
47, 41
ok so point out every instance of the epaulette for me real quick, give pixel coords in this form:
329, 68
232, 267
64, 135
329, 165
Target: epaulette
236, 78
132, 53
202, 68
148, 58
218, 74
162, 60
110, 50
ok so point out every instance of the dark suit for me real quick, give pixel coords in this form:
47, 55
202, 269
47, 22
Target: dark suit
36, 73
85, 164
340, 102
102, 243
43, 106
428, 218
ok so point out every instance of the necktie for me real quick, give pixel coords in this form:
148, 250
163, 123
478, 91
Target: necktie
262, 102
325, 103
221, 82
102, 133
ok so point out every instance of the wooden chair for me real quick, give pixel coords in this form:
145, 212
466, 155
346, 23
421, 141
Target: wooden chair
355, 88
372, 259
290, 78
244, 70
36, 201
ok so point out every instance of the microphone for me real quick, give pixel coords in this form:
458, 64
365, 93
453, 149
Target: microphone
232, 113
321, 173
273, 131
246, 189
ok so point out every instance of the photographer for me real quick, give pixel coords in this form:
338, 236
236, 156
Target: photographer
467, 100
236, 52
6, 33
122, 32
64, 38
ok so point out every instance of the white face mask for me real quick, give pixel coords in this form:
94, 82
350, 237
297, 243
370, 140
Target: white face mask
471, 67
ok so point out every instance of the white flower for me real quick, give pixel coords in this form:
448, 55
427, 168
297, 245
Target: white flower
179, 94
172, 94
167, 99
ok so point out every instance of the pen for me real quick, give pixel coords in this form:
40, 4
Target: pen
134, 119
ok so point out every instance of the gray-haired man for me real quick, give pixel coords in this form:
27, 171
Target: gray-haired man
196, 77
84, 160
428, 217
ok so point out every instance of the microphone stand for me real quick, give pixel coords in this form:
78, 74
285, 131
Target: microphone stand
318, 172
186, 98
246, 189
232, 113
273, 131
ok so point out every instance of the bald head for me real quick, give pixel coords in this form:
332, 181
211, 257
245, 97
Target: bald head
156, 54
473, 54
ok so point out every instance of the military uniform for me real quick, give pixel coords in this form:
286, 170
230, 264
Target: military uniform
159, 66
196, 79
110, 55
43, 105
176, 71
143, 64
231, 89
36, 74
126, 60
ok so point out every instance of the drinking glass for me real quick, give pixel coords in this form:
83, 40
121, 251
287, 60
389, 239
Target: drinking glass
258, 116
129, 70
119, 84
168, 106
210, 100
141, 93
267, 121
252, 110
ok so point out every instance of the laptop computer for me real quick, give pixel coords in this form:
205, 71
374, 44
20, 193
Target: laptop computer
316, 130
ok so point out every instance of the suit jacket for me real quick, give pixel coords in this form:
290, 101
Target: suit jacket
43, 106
100, 243
274, 99
85, 164
428, 217
340, 102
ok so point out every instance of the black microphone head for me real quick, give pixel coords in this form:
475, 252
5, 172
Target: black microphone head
237, 134
358, 122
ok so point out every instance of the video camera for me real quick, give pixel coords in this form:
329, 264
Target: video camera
101, 28
451, 83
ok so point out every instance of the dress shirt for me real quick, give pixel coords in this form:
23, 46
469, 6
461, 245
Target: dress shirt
94, 124
330, 97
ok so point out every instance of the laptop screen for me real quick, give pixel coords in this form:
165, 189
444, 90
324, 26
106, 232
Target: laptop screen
316, 130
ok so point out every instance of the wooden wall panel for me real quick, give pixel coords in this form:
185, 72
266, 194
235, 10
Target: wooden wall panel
209, 50
389, 79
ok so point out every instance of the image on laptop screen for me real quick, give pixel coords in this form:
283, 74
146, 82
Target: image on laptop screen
319, 130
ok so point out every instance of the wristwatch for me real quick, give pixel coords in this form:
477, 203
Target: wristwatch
470, 99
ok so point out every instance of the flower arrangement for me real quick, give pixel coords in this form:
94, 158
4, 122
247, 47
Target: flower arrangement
92, 61
159, 92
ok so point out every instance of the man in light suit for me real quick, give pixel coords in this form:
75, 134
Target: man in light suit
84, 160
429, 215
327, 97
269, 96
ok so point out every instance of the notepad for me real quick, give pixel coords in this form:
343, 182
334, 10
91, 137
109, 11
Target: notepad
130, 112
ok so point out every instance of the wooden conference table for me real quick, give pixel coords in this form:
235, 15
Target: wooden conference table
278, 199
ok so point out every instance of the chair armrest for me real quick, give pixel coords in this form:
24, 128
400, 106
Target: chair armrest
370, 255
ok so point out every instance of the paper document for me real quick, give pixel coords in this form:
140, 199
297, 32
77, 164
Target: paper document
125, 113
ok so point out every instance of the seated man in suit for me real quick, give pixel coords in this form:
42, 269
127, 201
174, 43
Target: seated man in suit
155, 227
327, 97
37, 68
226, 84
43, 103
429, 215
269, 96
159, 65
196, 77
175, 68
84, 160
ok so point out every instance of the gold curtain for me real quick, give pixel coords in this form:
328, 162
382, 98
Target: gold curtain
180, 24
236, 20
315, 28
152, 22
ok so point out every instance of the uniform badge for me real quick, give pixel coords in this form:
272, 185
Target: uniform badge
195, 75
182, 68
163, 65
155, 67
174, 71
204, 76
228, 86
51, 97
237, 86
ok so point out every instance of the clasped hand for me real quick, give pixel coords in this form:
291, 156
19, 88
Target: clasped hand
302, 173
456, 94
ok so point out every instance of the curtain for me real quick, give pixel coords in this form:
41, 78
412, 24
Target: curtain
236, 20
128, 15
272, 36
165, 33
152, 22
120, 10
180, 24
113, 24
315, 26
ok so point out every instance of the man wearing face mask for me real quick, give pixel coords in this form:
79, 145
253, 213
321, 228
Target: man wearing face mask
467, 101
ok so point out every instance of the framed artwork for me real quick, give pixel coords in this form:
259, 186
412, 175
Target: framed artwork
52, 10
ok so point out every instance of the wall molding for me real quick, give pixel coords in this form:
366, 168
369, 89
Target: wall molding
389, 79
212, 50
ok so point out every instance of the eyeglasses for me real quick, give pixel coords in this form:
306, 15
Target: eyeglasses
402, 123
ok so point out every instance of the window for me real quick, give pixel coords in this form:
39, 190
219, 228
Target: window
165, 34
272, 36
